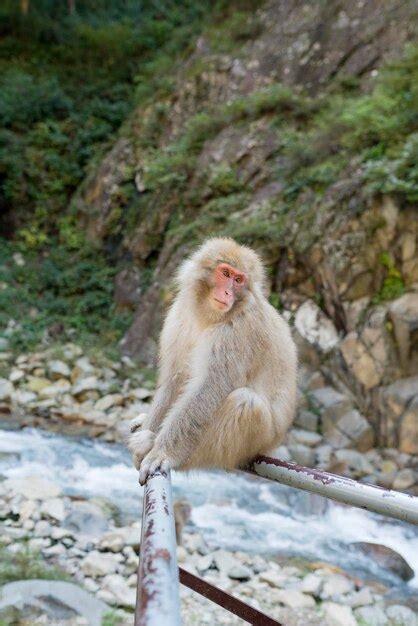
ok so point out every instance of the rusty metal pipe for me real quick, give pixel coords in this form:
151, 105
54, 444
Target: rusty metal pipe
393, 504
158, 600
225, 600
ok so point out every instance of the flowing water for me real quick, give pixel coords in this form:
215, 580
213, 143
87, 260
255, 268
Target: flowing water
231, 510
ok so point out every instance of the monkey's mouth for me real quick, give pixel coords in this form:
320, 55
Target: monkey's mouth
225, 304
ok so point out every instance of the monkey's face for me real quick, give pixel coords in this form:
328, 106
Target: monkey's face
226, 286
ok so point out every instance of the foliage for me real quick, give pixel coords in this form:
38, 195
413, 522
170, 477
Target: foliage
25, 564
393, 285
67, 84
65, 286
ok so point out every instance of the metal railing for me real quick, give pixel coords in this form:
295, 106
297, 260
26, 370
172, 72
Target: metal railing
158, 602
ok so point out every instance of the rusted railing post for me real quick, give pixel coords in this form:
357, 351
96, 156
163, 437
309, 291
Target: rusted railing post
158, 600
394, 504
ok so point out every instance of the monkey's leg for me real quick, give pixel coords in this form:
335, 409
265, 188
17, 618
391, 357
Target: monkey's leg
245, 427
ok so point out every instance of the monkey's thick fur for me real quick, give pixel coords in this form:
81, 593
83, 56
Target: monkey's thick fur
227, 380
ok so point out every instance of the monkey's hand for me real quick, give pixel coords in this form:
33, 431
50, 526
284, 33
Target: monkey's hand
156, 459
140, 443
136, 423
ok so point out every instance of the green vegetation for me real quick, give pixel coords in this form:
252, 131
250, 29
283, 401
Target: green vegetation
62, 290
67, 83
24, 565
393, 285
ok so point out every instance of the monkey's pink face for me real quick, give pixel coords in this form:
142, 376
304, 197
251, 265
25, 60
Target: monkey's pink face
228, 282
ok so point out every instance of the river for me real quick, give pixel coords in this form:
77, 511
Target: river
231, 510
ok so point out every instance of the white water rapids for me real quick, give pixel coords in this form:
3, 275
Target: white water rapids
231, 510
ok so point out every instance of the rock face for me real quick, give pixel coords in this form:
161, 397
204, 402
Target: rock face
325, 261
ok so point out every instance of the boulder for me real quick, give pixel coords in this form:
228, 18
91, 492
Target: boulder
55, 598
386, 558
314, 326
401, 616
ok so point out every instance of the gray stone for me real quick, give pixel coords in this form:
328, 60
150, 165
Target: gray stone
86, 518
204, 563
99, 564
404, 315
330, 402
354, 427
58, 369
336, 586
386, 558
273, 577
119, 538
225, 561
4, 344
302, 454
6, 389
240, 572
357, 463
120, 593
295, 599
359, 361
311, 584
59, 600
356, 599
404, 479
33, 488
372, 615
307, 420
401, 616
338, 615
314, 326
408, 431
53, 508
305, 437
85, 384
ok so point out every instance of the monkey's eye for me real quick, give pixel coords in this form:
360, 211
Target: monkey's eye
238, 279
225, 273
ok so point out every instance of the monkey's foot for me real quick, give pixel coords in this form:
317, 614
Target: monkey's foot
156, 459
140, 443
137, 422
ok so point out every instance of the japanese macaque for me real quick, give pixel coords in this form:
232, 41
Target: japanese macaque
227, 380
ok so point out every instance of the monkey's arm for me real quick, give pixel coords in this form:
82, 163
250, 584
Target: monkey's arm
163, 399
189, 417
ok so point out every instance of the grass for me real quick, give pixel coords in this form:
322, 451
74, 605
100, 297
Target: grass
24, 565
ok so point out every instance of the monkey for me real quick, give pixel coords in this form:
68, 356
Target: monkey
226, 387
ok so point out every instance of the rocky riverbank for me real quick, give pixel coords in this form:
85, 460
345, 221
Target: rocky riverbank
80, 540
64, 390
